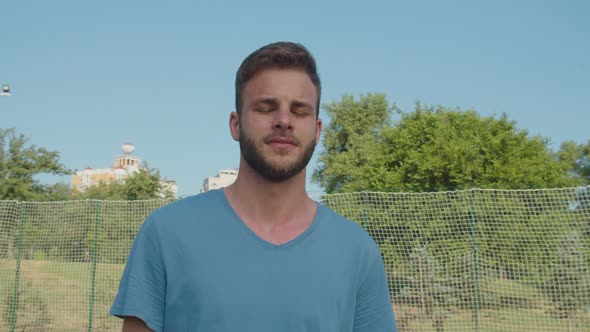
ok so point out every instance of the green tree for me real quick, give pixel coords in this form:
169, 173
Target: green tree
576, 158
433, 149
570, 285
59, 192
425, 288
20, 163
145, 184
354, 128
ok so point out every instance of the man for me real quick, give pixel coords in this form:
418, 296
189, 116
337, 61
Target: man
259, 255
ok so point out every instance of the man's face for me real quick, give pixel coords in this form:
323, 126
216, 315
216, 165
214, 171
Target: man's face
278, 127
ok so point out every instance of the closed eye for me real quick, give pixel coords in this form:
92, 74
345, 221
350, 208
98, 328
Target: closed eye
301, 109
266, 105
301, 112
265, 109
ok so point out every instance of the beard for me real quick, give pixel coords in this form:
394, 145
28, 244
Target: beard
268, 170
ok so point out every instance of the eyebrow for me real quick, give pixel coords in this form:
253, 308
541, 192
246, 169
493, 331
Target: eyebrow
266, 101
301, 104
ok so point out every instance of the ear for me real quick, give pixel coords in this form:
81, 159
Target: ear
234, 126
318, 130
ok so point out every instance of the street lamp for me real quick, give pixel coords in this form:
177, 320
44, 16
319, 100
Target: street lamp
5, 91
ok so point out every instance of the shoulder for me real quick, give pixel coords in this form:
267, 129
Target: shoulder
347, 231
350, 240
187, 210
191, 204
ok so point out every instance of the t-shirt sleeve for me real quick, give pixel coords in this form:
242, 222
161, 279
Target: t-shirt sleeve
142, 290
374, 310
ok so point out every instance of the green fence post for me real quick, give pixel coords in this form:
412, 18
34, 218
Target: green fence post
365, 220
94, 254
15, 294
475, 265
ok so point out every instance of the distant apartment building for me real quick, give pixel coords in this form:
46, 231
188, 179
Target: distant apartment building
223, 179
123, 166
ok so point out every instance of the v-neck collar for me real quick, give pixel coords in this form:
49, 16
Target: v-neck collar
299, 238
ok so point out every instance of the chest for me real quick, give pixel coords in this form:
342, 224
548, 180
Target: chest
278, 234
261, 287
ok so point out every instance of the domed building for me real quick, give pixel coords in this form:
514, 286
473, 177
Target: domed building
123, 166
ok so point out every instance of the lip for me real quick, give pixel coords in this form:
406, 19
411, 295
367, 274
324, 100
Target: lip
281, 140
282, 143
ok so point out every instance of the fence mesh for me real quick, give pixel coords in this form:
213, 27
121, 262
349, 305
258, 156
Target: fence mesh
475, 260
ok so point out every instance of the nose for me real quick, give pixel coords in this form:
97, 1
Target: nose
282, 119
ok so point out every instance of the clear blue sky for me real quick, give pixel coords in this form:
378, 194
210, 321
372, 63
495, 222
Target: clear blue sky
89, 76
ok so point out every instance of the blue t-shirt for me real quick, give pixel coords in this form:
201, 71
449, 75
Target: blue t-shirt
195, 266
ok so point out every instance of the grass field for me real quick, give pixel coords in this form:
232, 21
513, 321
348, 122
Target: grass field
55, 296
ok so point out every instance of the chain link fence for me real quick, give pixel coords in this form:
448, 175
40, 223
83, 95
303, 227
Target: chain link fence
474, 260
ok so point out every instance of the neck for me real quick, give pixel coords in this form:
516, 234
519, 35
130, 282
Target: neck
257, 198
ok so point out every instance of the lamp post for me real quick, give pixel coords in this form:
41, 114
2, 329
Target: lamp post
5, 91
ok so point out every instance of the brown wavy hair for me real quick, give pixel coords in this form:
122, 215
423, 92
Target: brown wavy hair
279, 55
